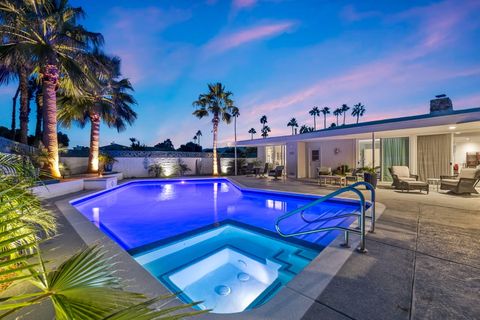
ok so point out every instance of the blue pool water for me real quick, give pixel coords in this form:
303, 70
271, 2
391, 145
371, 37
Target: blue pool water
214, 230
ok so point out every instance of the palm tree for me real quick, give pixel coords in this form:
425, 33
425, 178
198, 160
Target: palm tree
292, 123
305, 129
252, 131
358, 110
235, 113
109, 101
337, 112
216, 103
325, 111
344, 109
198, 135
195, 139
315, 112
265, 131
263, 120
47, 30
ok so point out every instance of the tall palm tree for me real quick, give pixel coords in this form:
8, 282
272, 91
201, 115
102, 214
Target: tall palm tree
109, 101
265, 131
252, 131
48, 31
315, 112
337, 112
198, 135
263, 120
344, 109
358, 111
325, 111
217, 103
195, 139
17, 66
235, 113
292, 123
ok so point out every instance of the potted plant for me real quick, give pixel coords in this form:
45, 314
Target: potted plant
106, 161
370, 175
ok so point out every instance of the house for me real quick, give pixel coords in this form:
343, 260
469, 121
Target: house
431, 144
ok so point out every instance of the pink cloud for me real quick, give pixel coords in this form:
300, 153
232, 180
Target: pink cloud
229, 41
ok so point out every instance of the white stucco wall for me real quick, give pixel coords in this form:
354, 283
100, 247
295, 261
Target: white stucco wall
328, 157
137, 167
461, 149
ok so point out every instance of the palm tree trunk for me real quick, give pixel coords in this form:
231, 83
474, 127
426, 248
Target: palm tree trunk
314, 123
344, 118
38, 123
24, 102
324, 121
215, 136
358, 118
94, 143
50, 139
14, 112
235, 135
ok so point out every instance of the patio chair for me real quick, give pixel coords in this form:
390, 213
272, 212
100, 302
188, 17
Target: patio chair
404, 180
401, 174
324, 171
465, 183
277, 172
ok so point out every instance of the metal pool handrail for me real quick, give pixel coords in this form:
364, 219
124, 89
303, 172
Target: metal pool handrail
362, 216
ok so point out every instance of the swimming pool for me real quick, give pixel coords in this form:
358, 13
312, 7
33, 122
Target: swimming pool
206, 226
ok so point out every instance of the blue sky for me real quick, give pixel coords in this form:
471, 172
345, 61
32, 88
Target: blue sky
280, 58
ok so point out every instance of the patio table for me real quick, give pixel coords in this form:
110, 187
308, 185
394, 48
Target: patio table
435, 182
342, 181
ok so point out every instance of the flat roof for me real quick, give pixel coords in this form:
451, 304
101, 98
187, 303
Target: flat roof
436, 119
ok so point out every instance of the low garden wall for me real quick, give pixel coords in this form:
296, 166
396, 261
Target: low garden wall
135, 164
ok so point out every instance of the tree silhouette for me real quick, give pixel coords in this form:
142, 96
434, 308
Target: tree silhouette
325, 111
344, 109
315, 112
292, 123
358, 111
252, 131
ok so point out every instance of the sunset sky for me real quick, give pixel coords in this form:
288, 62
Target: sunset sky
280, 58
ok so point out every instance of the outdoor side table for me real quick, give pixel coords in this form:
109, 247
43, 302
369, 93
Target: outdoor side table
435, 182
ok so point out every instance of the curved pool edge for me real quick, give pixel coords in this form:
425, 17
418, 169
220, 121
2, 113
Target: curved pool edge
291, 302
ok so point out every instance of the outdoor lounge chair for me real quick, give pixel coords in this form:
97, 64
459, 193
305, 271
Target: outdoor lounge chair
466, 181
404, 180
277, 172
401, 174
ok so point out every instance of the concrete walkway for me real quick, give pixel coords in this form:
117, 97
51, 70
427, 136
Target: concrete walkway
423, 260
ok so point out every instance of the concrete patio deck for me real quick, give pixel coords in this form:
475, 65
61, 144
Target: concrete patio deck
423, 260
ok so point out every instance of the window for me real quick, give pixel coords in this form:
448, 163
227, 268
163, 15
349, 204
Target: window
315, 155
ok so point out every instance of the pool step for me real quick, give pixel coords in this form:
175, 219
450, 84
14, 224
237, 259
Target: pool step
290, 260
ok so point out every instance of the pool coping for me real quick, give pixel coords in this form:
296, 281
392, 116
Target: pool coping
291, 302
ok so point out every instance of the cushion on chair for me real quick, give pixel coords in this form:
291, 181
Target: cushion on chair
452, 182
401, 171
324, 170
467, 173
406, 179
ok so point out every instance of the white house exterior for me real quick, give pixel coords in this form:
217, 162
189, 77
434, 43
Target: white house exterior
430, 144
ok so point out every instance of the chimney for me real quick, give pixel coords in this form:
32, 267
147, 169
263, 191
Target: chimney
441, 104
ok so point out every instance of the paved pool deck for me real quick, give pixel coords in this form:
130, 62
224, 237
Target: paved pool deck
423, 260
